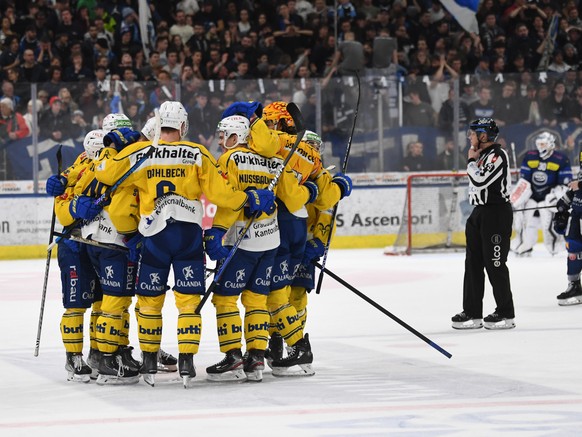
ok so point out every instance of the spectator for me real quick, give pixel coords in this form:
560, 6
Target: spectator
351, 54
181, 27
558, 65
79, 127
446, 114
12, 124
8, 92
30, 70
446, 159
482, 108
10, 57
54, 122
557, 108
29, 42
203, 127
414, 159
508, 108
29, 116
417, 112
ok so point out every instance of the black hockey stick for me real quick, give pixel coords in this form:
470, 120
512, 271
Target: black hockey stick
384, 310
295, 113
535, 207
344, 167
48, 260
107, 194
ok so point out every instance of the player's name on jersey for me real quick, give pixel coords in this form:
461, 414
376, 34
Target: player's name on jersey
166, 173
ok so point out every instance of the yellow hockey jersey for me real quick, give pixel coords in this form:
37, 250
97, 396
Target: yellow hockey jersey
119, 216
170, 182
305, 162
73, 174
246, 169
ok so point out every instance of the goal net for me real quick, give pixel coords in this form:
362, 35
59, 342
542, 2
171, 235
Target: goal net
436, 208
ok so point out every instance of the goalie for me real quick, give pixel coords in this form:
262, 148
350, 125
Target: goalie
544, 176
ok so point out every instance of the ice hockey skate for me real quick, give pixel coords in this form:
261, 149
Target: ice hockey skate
125, 352
77, 369
231, 368
93, 362
298, 362
187, 368
118, 369
463, 321
149, 367
254, 364
167, 362
275, 349
495, 321
572, 295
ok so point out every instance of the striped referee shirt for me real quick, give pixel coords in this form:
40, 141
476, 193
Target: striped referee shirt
489, 177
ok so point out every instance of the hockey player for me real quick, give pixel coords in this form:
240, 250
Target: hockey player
307, 165
249, 271
488, 230
116, 271
567, 222
169, 185
81, 289
545, 174
166, 361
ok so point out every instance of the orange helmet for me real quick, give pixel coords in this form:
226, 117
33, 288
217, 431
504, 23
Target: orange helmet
277, 113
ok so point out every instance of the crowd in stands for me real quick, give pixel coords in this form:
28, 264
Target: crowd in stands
88, 57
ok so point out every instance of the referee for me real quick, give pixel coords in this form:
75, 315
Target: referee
487, 231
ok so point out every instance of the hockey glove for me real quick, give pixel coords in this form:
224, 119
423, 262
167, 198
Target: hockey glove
120, 138
562, 206
561, 222
246, 109
261, 201
313, 191
83, 207
314, 250
73, 246
56, 185
134, 243
344, 182
213, 244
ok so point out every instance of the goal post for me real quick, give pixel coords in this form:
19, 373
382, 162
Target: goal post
435, 210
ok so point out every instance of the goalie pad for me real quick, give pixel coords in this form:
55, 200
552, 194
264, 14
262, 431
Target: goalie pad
521, 193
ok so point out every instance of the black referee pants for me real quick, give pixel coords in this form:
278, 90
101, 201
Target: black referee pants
488, 231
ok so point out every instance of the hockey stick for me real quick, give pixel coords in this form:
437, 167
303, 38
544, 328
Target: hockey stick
295, 113
535, 207
384, 310
344, 167
48, 260
107, 194
515, 167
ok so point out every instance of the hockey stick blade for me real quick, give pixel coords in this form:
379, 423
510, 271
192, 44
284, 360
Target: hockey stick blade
384, 310
295, 113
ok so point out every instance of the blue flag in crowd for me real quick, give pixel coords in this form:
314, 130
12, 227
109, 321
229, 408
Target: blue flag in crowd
464, 12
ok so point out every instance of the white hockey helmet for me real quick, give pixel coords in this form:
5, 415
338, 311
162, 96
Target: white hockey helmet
149, 129
545, 143
234, 124
115, 121
174, 115
93, 142
313, 140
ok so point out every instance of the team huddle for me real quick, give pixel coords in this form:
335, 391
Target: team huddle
267, 182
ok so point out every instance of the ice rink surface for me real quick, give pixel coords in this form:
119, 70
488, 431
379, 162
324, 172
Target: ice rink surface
373, 377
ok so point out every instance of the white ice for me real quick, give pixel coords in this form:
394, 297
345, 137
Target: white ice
373, 376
